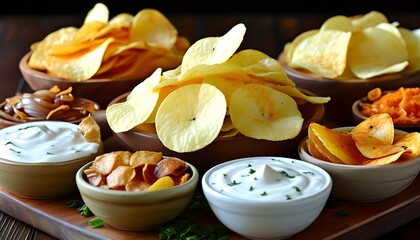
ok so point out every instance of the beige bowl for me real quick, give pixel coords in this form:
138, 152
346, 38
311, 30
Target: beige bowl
101, 91
137, 210
41, 179
360, 183
222, 149
343, 93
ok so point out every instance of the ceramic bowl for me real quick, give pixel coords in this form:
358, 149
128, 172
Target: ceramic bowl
358, 116
266, 197
137, 210
101, 91
343, 93
360, 183
222, 149
38, 176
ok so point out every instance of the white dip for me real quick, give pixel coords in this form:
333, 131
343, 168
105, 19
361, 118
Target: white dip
44, 141
268, 179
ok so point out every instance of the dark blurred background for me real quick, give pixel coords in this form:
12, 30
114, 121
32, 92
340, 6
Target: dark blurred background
215, 6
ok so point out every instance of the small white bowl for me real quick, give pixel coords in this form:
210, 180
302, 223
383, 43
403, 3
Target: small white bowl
360, 183
292, 195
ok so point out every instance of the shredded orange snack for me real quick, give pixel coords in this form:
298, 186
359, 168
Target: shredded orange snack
403, 105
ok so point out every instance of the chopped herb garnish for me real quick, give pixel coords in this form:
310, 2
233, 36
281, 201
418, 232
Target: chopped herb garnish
288, 197
96, 223
286, 174
249, 165
85, 211
184, 228
251, 188
264, 193
233, 183
75, 203
297, 189
251, 171
224, 175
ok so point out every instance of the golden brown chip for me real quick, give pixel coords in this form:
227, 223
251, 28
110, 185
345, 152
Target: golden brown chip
90, 129
143, 157
120, 176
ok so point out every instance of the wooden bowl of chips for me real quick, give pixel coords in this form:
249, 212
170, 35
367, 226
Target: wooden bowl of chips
401, 104
223, 148
100, 90
368, 162
344, 92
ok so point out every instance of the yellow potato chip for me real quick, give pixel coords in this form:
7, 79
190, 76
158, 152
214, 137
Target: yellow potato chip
191, 117
162, 183
323, 53
78, 67
213, 50
375, 51
90, 129
379, 126
261, 112
413, 49
99, 13
138, 106
370, 19
338, 22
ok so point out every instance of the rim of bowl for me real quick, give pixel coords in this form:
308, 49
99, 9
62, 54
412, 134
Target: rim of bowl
24, 67
315, 195
302, 148
46, 164
308, 76
175, 189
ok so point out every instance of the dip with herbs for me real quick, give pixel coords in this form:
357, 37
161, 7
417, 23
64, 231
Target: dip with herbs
44, 141
268, 179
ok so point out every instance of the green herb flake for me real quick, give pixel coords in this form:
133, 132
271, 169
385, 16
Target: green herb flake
286, 174
288, 197
96, 223
251, 188
233, 183
297, 189
264, 193
85, 211
251, 171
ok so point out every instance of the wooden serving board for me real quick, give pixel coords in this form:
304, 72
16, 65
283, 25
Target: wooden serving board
361, 221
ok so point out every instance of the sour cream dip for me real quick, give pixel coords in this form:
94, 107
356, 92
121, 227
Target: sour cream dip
44, 141
267, 179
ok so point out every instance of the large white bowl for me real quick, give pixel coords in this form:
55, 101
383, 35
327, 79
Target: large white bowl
360, 183
271, 214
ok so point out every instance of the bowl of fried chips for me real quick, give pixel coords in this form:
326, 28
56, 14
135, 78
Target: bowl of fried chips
369, 162
402, 105
104, 57
137, 191
219, 104
348, 56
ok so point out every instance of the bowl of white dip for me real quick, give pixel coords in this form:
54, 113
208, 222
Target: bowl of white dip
266, 197
39, 160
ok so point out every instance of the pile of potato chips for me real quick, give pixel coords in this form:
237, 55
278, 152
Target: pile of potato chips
215, 92
371, 142
357, 47
124, 47
138, 171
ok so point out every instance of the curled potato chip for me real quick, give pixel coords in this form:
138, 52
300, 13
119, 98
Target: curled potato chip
191, 117
162, 183
261, 112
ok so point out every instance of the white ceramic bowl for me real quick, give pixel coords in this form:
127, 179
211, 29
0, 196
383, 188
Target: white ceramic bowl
284, 206
137, 210
360, 183
40, 179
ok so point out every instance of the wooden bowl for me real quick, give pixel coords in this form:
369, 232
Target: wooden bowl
343, 93
101, 91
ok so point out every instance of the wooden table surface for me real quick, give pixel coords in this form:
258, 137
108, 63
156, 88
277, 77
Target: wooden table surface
267, 32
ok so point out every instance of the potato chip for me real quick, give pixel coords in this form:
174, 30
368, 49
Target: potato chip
138, 106
90, 129
369, 19
413, 49
120, 176
170, 166
99, 13
261, 112
378, 126
213, 50
162, 183
191, 117
339, 22
105, 163
140, 158
339, 147
324, 53
375, 51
